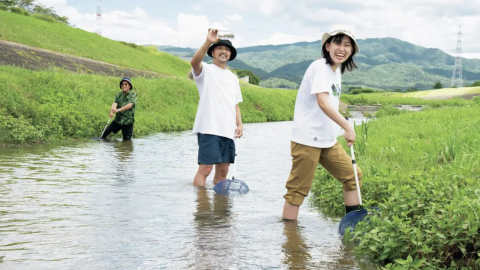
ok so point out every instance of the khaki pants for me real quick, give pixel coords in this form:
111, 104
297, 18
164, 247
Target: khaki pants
305, 160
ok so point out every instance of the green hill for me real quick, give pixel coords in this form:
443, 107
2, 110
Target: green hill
65, 39
386, 63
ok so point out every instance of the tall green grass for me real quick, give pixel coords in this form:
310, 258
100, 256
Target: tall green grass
423, 170
65, 39
56, 104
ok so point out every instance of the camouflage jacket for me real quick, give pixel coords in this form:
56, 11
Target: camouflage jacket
128, 116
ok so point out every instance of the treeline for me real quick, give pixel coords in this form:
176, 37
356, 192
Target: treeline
439, 85
252, 77
31, 8
355, 90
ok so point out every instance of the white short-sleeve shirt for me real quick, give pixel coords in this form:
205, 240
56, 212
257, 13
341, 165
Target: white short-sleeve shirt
220, 92
311, 126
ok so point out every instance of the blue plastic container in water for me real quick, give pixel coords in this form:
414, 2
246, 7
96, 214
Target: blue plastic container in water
231, 186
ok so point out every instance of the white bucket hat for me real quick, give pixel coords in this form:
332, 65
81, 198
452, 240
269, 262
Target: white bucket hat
340, 31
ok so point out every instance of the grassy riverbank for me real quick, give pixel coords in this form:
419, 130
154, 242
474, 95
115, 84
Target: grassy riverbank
65, 39
423, 170
55, 104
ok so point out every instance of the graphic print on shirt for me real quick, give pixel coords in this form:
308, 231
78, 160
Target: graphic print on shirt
336, 90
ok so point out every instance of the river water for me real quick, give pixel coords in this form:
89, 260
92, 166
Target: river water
131, 205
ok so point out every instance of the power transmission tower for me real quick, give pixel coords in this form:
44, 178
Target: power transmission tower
98, 24
457, 79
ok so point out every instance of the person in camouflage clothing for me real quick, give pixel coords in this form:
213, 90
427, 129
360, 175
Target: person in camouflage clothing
124, 107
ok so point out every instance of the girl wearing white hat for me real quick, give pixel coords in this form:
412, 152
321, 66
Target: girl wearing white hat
317, 122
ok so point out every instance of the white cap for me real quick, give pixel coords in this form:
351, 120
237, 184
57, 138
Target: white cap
340, 31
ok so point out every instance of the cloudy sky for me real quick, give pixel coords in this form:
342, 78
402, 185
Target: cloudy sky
184, 23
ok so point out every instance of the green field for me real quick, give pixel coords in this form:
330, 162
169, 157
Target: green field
435, 98
445, 92
392, 98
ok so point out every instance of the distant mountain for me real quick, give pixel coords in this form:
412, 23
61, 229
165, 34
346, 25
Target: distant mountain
386, 63
177, 51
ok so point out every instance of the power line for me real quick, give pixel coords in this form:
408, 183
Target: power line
457, 79
99, 18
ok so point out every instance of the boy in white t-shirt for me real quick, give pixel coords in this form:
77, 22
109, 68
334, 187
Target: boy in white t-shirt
218, 120
317, 123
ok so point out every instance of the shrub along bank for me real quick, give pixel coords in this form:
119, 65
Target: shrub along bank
423, 170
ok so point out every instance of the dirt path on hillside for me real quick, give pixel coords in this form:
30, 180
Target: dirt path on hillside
16, 54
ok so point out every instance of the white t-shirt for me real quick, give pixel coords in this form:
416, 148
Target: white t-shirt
311, 126
219, 91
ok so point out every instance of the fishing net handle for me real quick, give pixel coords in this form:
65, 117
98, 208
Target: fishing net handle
354, 163
108, 122
235, 161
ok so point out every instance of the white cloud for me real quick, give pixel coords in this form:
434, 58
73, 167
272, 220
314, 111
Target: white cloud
234, 18
266, 7
50, 3
189, 31
269, 6
137, 26
468, 55
281, 38
83, 21
319, 15
197, 7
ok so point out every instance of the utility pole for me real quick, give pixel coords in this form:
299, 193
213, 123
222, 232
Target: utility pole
98, 24
457, 79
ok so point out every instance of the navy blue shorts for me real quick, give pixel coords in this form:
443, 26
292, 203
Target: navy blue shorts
213, 149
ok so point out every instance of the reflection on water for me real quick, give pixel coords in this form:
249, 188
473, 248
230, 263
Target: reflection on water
124, 170
215, 235
131, 205
123, 149
296, 251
